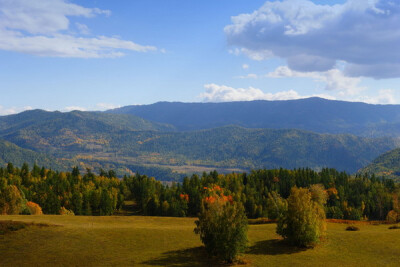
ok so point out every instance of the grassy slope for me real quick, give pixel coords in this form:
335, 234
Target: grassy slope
155, 241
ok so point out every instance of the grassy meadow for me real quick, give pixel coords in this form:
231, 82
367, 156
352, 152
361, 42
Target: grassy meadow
160, 241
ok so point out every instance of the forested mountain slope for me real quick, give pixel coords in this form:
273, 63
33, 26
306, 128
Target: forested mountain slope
312, 114
129, 144
387, 165
80, 121
12, 153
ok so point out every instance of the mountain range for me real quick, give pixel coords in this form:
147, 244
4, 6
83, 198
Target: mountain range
167, 140
311, 114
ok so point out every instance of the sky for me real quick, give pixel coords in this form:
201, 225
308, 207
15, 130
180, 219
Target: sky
100, 54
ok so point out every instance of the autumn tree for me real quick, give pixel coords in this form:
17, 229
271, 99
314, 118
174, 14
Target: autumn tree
304, 222
11, 199
222, 225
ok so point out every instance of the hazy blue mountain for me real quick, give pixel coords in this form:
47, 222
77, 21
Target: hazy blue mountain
312, 114
85, 122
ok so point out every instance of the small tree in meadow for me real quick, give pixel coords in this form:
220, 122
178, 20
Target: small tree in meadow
34, 209
304, 222
222, 225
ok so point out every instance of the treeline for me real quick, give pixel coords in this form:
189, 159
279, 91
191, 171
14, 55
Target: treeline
59, 192
353, 198
349, 197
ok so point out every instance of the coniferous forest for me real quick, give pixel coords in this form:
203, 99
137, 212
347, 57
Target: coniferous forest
262, 192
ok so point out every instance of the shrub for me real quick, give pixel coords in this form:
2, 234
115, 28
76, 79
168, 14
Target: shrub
34, 209
64, 211
392, 216
352, 228
304, 222
222, 225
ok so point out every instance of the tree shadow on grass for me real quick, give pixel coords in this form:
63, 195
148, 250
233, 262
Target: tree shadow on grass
196, 256
274, 247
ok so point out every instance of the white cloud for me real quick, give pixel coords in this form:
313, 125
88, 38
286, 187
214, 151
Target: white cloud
97, 107
72, 108
83, 29
385, 96
245, 66
107, 106
13, 110
223, 93
41, 28
333, 80
313, 37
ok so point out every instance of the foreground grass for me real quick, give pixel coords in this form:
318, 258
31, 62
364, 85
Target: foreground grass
160, 241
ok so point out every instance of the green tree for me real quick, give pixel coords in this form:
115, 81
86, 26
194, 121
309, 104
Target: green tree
222, 226
304, 222
276, 205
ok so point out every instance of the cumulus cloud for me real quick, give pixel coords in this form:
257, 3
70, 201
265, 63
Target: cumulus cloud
97, 107
106, 106
313, 37
72, 108
385, 96
333, 80
223, 93
42, 28
13, 110
245, 66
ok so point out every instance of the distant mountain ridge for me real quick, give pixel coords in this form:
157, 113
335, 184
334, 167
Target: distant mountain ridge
129, 143
311, 114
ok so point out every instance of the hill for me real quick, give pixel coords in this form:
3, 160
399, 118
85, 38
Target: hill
12, 153
129, 144
312, 114
80, 121
237, 147
95, 145
386, 165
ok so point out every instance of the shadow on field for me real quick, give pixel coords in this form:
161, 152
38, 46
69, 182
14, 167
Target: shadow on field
186, 257
273, 247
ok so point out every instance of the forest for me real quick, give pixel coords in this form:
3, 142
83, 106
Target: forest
262, 192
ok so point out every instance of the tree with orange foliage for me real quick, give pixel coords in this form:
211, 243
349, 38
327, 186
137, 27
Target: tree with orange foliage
34, 209
222, 225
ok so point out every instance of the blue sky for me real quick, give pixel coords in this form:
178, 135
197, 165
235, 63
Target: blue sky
95, 55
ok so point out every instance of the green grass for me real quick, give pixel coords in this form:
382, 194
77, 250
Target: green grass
159, 241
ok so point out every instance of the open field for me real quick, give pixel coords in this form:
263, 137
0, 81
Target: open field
160, 241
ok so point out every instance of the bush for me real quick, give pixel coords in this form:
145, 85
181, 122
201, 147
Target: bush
222, 225
352, 228
392, 216
64, 211
34, 209
304, 222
